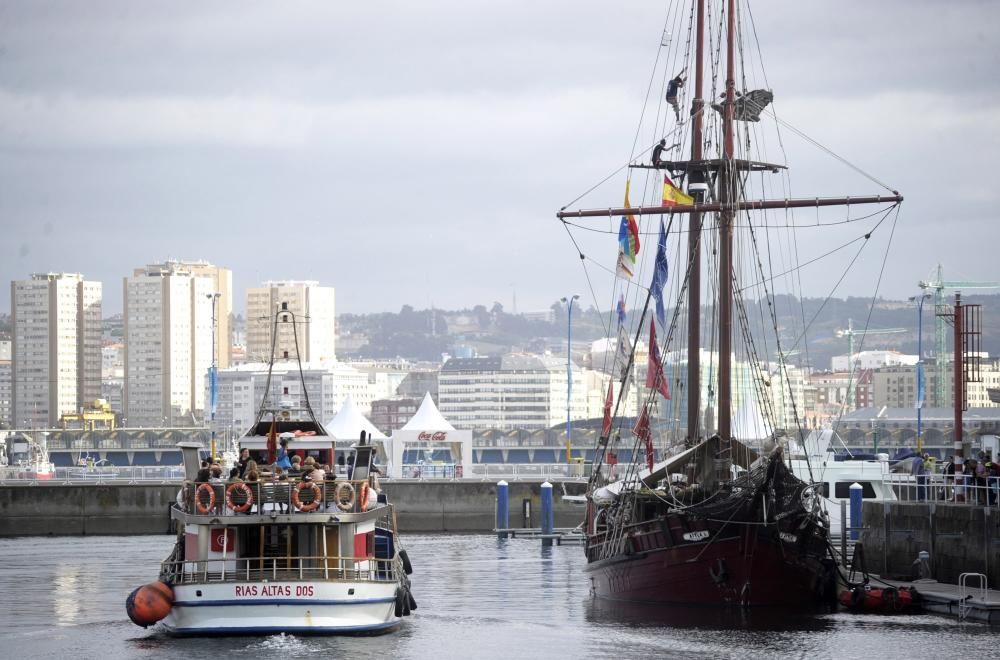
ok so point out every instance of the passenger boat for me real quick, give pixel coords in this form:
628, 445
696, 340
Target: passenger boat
724, 519
281, 555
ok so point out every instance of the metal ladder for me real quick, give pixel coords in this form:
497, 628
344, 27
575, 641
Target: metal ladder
965, 593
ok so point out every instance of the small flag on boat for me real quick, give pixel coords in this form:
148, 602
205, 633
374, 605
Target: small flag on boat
655, 378
621, 310
628, 241
660, 271
674, 196
643, 432
272, 443
606, 427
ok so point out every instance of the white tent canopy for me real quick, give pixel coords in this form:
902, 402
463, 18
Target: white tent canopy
428, 430
427, 418
348, 424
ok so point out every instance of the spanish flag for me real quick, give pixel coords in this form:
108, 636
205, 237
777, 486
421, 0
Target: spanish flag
674, 196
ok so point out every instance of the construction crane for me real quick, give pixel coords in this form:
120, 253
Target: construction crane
941, 351
850, 333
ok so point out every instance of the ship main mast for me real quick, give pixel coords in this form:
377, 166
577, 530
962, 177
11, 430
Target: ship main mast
694, 240
727, 194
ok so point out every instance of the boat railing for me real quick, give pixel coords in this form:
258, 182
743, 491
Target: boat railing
291, 496
278, 569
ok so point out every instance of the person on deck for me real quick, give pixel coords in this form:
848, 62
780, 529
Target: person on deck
673, 88
281, 460
241, 464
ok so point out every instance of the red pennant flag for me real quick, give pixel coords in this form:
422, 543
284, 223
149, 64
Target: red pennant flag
642, 431
606, 429
655, 379
272, 443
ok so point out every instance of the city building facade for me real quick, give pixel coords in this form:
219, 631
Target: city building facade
56, 347
515, 391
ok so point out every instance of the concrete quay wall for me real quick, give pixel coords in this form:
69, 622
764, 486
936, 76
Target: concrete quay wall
960, 538
80, 509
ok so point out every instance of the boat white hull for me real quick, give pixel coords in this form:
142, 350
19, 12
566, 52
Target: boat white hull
282, 607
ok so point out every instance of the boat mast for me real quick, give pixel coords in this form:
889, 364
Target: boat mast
694, 241
727, 194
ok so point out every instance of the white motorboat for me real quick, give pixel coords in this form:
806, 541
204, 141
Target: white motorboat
281, 555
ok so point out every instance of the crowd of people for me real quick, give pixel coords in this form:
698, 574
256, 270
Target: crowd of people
976, 480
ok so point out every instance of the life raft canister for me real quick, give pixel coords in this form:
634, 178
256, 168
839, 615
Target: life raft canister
344, 495
317, 495
247, 497
203, 505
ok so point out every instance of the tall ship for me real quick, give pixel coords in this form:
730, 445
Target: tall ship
723, 519
305, 550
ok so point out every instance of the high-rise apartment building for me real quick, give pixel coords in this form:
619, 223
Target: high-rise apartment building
313, 308
169, 332
56, 347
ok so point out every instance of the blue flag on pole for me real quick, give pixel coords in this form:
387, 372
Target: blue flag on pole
920, 385
621, 310
660, 274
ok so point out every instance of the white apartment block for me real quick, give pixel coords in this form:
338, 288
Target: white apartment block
873, 360
242, 388
313, 308
513, 392
6, 393
56, 348
169, 337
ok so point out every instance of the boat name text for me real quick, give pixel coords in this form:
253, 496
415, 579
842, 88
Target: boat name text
270, 590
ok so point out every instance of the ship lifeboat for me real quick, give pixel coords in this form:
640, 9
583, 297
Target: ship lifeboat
149, 603
884, 600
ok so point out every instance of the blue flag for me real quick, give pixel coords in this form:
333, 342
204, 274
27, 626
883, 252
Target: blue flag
660, 274
621, 310
920, 385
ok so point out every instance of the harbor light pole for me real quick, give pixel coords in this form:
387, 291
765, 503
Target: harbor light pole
569, 374
214, 297
921, 386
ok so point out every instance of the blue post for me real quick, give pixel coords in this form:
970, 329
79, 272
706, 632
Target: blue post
503, 510
856, 491
548, 518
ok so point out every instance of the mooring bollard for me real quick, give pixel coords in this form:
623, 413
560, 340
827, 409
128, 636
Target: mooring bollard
548, 518
503, 511
856, 493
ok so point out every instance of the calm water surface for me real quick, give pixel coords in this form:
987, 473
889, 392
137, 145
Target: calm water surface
478, 598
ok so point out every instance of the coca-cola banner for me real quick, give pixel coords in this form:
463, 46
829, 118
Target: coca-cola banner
437, 436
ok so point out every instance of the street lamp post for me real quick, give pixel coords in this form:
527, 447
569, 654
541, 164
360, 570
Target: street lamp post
569, 374
920, 365
214, 297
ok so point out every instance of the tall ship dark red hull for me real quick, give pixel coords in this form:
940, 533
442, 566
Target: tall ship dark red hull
751, 566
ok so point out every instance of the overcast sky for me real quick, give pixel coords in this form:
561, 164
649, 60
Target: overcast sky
416, 152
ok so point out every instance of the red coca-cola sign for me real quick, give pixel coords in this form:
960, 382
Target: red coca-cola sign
437, 436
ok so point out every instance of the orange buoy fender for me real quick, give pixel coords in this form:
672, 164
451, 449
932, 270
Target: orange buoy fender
149, 603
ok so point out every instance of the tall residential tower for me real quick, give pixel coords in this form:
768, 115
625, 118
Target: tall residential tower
313, 307
169, 335
56, 349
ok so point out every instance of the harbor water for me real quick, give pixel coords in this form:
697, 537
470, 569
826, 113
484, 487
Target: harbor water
478, 597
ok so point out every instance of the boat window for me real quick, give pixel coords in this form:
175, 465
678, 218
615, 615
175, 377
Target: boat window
843, 490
